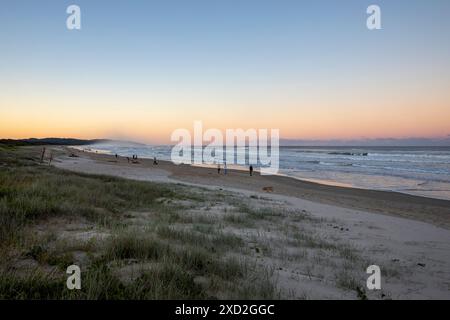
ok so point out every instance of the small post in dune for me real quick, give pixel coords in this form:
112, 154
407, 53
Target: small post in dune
42, 154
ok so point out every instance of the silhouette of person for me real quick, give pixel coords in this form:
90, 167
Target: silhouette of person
251, 170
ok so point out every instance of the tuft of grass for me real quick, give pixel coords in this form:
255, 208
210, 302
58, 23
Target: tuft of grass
45, 256
218, 240
129, 246
261, 213
239, 219
198, 259
346, 280
35, 285
168, 282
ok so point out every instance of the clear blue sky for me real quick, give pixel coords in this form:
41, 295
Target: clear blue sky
249, 56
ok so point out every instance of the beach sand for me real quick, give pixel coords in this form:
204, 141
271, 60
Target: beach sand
408, 235
429, 210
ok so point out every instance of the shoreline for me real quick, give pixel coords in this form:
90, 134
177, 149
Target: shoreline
434, 188
429, 210
409, 186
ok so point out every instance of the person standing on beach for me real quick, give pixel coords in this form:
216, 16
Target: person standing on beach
251, 170
218, 168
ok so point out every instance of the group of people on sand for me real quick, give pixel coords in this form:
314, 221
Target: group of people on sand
225, 169
135, 158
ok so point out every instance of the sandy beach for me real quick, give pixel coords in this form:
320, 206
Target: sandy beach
408, 235
429, 210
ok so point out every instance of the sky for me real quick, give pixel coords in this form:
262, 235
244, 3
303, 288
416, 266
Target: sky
138, 70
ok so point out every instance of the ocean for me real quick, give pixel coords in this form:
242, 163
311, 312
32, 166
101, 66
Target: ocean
423, 171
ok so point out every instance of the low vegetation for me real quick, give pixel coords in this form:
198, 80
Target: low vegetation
141, 240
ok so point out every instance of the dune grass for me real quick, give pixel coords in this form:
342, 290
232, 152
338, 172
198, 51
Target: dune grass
31, 192
142, 240
184, 264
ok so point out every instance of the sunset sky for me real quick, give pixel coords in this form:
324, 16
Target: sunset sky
138, 70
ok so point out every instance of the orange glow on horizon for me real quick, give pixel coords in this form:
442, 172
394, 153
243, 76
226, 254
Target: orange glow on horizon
314, 118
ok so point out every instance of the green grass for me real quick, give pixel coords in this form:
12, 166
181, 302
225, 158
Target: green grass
182, 242
30, 192
35, 285
166, 282
216, 239
33, 193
